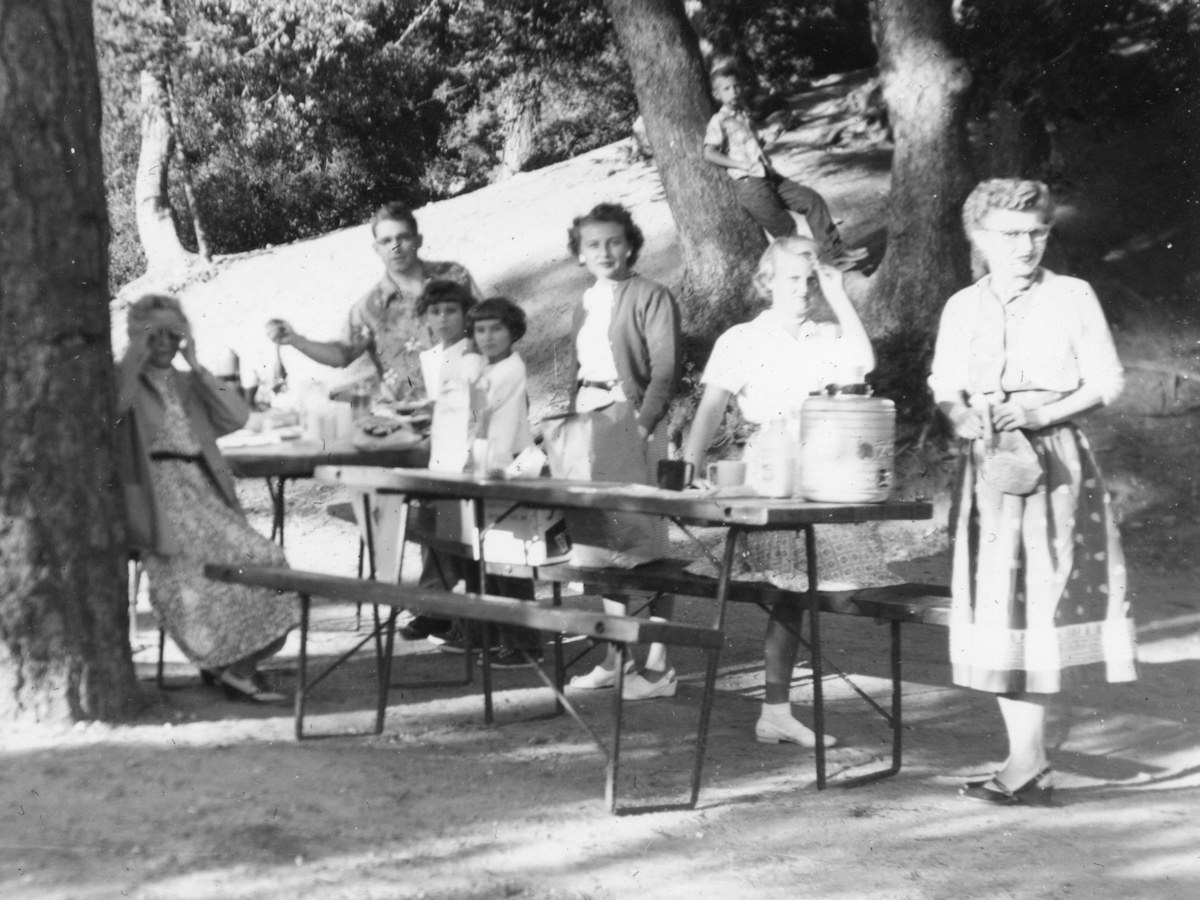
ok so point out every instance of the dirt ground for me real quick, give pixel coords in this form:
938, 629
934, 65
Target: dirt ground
204, 799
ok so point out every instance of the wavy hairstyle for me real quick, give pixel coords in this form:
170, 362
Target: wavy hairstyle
611, 213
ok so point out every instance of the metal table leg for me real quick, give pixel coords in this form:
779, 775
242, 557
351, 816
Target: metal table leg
814, 631
275, 489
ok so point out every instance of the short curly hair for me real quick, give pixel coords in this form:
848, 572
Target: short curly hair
139, 311
502, 309
443, 290
1014, 194
612, 213
794, 245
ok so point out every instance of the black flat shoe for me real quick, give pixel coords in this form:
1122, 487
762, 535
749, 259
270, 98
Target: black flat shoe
253, 689
1037, 791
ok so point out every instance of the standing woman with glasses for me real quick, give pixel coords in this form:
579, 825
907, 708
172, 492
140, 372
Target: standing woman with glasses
1039, 574
181, 507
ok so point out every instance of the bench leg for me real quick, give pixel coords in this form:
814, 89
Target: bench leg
814, 634
385, 670
559, 670
302, 667
612, 770
897, 686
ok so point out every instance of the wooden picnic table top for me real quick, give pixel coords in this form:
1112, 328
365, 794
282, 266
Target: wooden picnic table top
694, 507
301, 458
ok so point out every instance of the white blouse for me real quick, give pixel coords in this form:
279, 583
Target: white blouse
1052, 336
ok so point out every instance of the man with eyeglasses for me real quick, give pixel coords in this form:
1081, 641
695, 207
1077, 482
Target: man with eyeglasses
384, 325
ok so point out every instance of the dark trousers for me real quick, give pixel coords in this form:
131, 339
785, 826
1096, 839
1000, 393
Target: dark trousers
768, 200
443, 571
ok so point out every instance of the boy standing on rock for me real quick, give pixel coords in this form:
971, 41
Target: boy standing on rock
732, 143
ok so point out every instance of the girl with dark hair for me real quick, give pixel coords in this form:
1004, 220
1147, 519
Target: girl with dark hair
625, 334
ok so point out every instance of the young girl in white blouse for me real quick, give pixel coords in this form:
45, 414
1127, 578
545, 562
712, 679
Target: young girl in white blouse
771, 364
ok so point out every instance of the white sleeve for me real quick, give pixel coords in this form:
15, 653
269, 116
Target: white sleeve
728, 367
1099, 366
949, 375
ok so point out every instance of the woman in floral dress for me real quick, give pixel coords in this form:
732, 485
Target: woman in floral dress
181, 505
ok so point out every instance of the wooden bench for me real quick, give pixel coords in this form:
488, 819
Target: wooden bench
490, 610
896, 604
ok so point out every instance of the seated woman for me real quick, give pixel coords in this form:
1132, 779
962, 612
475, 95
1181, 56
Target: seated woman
771, 364
181, 505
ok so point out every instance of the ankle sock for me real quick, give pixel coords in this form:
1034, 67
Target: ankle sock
777, 710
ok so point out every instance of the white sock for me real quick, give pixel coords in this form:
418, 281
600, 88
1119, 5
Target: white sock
777, 710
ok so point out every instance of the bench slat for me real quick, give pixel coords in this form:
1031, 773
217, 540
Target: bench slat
926, 604
477, 607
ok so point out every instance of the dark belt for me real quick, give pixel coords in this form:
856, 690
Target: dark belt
183, 457
602, 385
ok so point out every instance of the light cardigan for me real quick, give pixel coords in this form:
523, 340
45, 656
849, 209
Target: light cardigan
213, 408
1052, 337
644, 335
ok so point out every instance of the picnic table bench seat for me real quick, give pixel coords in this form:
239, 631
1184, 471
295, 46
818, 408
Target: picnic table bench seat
315, 587
896, 604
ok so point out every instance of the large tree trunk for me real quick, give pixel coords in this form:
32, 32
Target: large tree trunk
720, 244
924, 86
155, 220
64, 650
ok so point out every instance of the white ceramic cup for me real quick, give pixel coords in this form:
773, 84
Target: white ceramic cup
727, 473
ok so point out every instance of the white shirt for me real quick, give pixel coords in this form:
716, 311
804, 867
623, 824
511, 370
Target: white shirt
1052, 336
500, 402
595, 356
770, 372
454, 422
433, 362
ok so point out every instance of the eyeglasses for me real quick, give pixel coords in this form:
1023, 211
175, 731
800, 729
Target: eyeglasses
168, 334
1034, 234
406, 240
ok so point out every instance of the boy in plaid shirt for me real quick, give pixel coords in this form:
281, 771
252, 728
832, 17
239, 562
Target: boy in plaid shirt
732, 143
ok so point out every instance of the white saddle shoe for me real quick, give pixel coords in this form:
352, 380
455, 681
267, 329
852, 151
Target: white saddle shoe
788, 731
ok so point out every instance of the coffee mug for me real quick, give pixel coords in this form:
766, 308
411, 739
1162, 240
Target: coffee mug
727, 473
674, 474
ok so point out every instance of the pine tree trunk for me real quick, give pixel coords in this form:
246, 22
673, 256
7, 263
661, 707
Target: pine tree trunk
64, 649
720, 244
155, 219
924, 86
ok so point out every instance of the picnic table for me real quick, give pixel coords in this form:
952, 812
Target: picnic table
735, 514
276, 461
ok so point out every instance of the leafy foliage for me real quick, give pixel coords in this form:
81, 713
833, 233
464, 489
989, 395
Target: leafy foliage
298, 116
1062, 61
786, 42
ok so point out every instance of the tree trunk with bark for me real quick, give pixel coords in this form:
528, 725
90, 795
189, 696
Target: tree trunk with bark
924, 86
64, 648
155, 218
520, 110
720, 244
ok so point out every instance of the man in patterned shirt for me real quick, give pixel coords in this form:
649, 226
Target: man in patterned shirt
732, 143
384, 325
